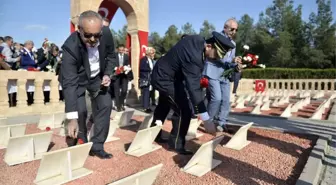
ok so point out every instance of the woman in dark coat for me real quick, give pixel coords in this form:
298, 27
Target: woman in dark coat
146, 67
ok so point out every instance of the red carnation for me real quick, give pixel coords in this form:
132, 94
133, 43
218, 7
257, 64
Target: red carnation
48, 129
117, 72
80, 141
204, 82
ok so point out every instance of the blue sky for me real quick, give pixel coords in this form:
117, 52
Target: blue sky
39, 19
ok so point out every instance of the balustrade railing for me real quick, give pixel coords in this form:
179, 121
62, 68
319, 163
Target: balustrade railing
247, 85
20, 79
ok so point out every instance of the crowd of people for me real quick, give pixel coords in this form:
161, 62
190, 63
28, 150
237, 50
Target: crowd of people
25, 57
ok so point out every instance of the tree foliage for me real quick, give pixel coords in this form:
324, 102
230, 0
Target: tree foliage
280, 37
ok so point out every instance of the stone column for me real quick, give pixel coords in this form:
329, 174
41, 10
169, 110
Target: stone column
3, 93
21, 93
319, 85
54, 95
38, 94
135, 58
332, 87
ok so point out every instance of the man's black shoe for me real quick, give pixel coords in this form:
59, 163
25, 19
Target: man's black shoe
224, 128
160, 140
148, 111
182, 151
101, 154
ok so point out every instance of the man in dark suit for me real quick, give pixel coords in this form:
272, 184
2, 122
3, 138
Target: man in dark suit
180, 70
88, 61
120, 81
42, 53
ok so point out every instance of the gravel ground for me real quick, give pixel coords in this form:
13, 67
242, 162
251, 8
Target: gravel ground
306, 112
271, 158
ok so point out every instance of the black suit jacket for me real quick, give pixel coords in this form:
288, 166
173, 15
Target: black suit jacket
183, 62
75, 68
41, 57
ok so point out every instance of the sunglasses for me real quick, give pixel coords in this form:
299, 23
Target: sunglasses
90, 35
233, 29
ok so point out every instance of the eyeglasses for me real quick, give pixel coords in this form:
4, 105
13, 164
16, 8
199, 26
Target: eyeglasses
233, 29
90, 35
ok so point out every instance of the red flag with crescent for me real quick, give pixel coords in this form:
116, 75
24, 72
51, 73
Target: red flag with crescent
107, 9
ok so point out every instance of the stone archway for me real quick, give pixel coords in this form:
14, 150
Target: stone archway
136, 12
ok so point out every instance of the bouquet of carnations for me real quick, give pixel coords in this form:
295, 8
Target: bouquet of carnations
248, 59
122, 69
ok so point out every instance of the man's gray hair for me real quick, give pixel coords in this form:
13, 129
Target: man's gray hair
89, 14
229, 21
149, 50
28, 42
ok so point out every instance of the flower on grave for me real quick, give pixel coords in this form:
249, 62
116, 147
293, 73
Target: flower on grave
80, 141
246, 47
48, 128
204, 82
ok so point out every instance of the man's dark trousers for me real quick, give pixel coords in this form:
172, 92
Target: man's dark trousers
181, 117
101, 111
120, 83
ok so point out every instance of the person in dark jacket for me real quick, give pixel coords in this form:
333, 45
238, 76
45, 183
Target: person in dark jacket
146, 67
180, 70
88, 62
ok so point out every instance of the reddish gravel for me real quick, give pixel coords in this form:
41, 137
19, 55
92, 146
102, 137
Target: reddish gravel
271, 158
305, 112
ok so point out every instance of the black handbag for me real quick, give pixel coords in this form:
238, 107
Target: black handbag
143, 83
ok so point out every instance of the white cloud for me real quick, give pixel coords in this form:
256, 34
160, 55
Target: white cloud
35, 27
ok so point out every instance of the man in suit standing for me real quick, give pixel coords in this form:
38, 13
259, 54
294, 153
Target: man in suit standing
219, 87
180, 70
88, 61
120, 81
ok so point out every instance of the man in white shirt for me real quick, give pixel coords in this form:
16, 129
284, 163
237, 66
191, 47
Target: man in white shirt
88, 61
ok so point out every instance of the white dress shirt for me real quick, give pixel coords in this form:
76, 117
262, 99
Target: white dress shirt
93, 54
121, 59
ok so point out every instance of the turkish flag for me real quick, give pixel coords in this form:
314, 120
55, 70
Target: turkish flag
107, 9
260, 85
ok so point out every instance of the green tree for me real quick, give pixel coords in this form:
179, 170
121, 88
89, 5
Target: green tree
171, 38
115, 37
245, 33
122, 35
187, 29
323, 32
155, 41
207, 29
